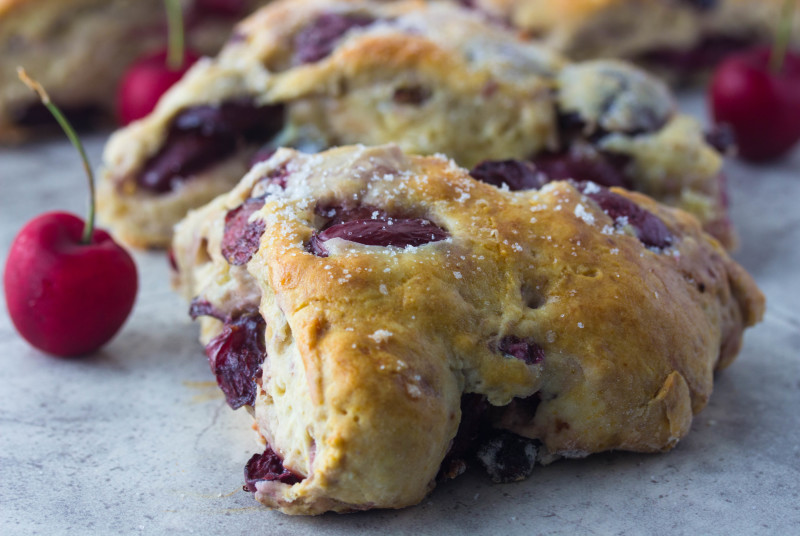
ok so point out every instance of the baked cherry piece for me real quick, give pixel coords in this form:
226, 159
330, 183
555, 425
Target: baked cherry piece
515, 174
267, 466
235, 357
649, 229
65, 297
411, 95
202, 136
318, 39
69, 287
584, 164
144, 83
605, 169
523, 349
762, 107
380, 231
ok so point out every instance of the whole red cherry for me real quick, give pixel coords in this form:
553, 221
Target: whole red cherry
69, 287
65, 297
762, 106
151, 76
144, 83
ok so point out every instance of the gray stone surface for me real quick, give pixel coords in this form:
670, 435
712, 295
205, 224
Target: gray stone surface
136, 439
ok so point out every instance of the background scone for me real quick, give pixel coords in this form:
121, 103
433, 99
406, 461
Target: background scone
434, 78
387, 317
681, 38
79, 49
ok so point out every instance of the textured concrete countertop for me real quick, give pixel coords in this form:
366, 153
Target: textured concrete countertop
137, 439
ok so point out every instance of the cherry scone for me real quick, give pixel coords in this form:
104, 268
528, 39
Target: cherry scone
682, 39
389, 318
431, 77
79, 50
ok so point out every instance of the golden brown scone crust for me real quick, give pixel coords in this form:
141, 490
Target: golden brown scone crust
80, 49
584, 29
370, 349
483, 94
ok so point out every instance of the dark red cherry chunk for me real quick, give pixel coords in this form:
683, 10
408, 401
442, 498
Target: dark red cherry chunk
204, 135
650, 230
582, 165
508, 457
278, 176
235, 357
605, 169
516, 174
267, 466
762, 107
398, 232
342, 214
412, 95
524, 349
181, 156
318, 39
242, 237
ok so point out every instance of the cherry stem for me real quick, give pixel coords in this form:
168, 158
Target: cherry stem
175, 34
88, 227
782, 36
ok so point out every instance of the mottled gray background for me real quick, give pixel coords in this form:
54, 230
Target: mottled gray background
137, 440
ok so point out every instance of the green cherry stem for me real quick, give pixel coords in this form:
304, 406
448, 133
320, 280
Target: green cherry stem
88, 228
175, 34
782, 36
